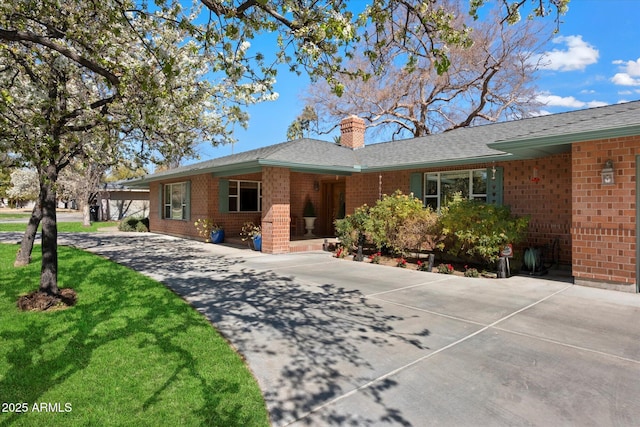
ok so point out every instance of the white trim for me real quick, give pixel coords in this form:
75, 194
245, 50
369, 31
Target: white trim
438, 195
236, 183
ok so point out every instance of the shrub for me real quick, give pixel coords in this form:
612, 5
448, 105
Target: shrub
387, 217
420, 231
352, 226
480, 230
375, 258
471, 272
134, 224
445, 268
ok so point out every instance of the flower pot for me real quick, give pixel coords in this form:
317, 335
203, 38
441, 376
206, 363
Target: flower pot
217, 236
308, 225
257, 243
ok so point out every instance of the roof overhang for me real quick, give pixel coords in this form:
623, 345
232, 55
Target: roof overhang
242, 168
442, 163
560, 143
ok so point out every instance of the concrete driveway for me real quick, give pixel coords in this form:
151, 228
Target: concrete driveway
335, 342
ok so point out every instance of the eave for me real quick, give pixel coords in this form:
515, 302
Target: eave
442, 163
554, 144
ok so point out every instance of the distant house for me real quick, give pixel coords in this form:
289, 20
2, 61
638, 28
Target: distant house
574, 173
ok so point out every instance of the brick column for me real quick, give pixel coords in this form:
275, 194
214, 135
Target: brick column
275, 210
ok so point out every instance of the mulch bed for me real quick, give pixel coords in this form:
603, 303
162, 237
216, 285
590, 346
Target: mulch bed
40, 301
459, 268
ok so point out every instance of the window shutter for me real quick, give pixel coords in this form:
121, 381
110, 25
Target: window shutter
223, 195
415, 185
494, 186
160, 201
187, 201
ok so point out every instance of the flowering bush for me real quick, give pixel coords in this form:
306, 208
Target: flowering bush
445, 269
401, 262
204, 227
375, 258
470, 272
423, 266
250, 231
341, 252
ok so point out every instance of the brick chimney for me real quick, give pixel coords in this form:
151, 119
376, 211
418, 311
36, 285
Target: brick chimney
352, 132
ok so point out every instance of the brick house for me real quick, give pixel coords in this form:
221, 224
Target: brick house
555, 168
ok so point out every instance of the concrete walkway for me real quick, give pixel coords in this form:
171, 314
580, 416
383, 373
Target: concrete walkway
334, 342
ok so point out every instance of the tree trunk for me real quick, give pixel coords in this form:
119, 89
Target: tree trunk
23, 257
86, 215
49, 270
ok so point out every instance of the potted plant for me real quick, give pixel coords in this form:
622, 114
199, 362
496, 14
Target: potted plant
252, 234
217, 234
209, 230
309, 215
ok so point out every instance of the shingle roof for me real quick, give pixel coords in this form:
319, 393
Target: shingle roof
526, 138
503, 139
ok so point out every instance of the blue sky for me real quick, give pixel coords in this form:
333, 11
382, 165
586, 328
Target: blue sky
594, 60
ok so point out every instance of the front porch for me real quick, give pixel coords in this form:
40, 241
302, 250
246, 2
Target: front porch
296, 244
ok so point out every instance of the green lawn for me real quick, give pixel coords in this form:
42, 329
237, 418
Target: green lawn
14, 215
63, 227
129, 353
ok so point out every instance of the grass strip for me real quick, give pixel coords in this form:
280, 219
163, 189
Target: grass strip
130, 352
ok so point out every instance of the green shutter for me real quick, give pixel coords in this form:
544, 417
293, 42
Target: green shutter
160, 201
415, 185
223, 195
187, 200
494, 186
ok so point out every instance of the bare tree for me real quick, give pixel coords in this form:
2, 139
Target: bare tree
409, 95
80, 182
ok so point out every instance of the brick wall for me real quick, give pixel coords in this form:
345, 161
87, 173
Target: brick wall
201, 186
547, 202
232, 221
204, 204
603, 216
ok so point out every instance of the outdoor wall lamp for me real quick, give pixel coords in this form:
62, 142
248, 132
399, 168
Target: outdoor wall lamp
608, 173
316, 186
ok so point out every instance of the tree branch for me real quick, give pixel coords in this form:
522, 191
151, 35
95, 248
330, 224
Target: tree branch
14, 35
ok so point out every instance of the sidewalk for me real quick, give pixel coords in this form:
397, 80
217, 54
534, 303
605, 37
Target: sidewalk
335, 342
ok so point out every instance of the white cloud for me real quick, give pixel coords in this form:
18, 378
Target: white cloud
567, 102
539, 113
624, 79
577, 55
629, 75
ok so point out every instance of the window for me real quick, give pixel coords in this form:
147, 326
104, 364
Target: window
440, 187
245, 196
176, 201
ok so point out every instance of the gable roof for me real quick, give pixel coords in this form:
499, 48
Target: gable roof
519, 139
